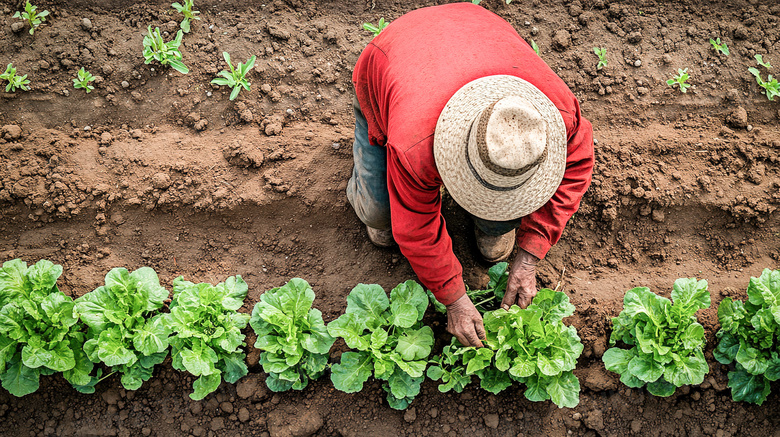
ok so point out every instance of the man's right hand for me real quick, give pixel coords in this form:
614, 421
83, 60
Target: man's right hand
465, 322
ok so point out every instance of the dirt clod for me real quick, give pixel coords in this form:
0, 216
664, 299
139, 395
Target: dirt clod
410, 415
491, 421
561, 40
737, 118
595, 420
251, 387
161, 181
11, 132
294, 422
243, 414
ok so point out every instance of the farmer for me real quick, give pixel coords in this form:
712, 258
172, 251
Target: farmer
451, 95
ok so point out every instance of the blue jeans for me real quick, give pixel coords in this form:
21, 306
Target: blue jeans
367, 188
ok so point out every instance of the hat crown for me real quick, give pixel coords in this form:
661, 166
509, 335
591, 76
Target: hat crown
515, 137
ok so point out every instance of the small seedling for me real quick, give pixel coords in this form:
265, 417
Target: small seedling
166, 53
760, 60
535, 47
82, 80
376, 29
235, 78
33, 18
14, 81
771, 86
716, 44
679, 79
601, 52
189, 14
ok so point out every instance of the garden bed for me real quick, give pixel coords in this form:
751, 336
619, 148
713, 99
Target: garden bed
155, 168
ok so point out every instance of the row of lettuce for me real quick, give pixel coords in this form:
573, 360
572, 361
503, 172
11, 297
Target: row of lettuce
121, 328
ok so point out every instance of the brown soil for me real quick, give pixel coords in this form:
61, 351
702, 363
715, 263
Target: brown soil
160, 169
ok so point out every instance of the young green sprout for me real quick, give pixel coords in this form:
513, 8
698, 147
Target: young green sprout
771, 86
33, 18
166, 53
14, 81
82, 80
760, 60
376, 29
535, 47
235, 78
601, 52
716, 44
189, 14
679, 79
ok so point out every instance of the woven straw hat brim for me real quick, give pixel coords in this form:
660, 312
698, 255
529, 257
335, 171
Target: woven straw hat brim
451, 139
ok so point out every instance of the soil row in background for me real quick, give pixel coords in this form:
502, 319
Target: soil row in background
160, 169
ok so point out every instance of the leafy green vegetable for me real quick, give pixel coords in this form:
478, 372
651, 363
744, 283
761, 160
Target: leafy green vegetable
376, 30
189, 14
680, 79
667, 340
32, 16
126, 329
749, 336
531, 346
14, 81
719, 47
391, 341
166, 53
236, 78
485, 300
601, 52
771, 86
82, 80
760, 61
206, 331
292, 336
39, 333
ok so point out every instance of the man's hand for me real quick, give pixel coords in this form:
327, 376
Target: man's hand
521, 287
465, 322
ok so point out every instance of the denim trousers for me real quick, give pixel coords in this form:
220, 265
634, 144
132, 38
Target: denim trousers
367, 188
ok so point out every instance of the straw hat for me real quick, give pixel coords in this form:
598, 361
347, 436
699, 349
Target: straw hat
500, 148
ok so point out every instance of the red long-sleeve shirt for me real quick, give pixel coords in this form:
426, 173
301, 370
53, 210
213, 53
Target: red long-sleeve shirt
404, 78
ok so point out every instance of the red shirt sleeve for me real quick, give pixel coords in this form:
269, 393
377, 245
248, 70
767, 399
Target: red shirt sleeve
420, 231
541, 229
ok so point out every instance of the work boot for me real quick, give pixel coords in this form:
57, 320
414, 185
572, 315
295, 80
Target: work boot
380, 238
495, 249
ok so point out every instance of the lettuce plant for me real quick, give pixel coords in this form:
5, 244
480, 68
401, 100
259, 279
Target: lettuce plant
189, 15
601, 52
39, 333
376, 30
665, 338
389, 338
206, 332
126, 330
485, 300
166, 53
32, 16
14, 81
680, 79
771, 86
236, 78
292, 336
531, 346
82, 80
749, 338
719, 47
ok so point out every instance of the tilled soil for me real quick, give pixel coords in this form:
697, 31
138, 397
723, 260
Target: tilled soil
160, 169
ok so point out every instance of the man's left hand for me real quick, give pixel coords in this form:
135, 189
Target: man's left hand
521, 287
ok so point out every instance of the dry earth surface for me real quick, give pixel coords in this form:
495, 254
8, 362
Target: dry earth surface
160, 169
